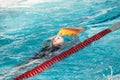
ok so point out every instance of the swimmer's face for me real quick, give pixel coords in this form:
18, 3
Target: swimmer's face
57, 40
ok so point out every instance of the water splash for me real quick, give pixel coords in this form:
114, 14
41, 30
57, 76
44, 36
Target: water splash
111, 76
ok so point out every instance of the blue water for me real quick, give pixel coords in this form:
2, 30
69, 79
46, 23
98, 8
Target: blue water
25, 24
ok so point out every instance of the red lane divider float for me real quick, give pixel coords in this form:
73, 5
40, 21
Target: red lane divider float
61, 56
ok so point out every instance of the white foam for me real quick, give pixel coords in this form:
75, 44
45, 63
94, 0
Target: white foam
11, 3
22, 3
113, 77
31, 2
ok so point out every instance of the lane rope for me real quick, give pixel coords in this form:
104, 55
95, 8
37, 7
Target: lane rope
40, 68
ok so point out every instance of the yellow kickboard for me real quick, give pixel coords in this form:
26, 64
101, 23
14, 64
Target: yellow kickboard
70, 31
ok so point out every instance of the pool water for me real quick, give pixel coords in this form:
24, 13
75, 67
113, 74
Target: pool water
25, 24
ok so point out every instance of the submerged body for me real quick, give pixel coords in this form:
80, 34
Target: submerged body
46, 51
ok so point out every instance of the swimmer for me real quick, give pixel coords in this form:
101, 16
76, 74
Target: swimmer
56, 43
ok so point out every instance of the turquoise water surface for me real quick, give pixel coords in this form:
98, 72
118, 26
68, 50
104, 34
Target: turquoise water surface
25, 24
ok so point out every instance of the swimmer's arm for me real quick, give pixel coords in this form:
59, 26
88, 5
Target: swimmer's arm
46, 43
76, 40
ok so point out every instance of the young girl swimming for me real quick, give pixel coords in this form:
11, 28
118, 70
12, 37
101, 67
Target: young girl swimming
56, 43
